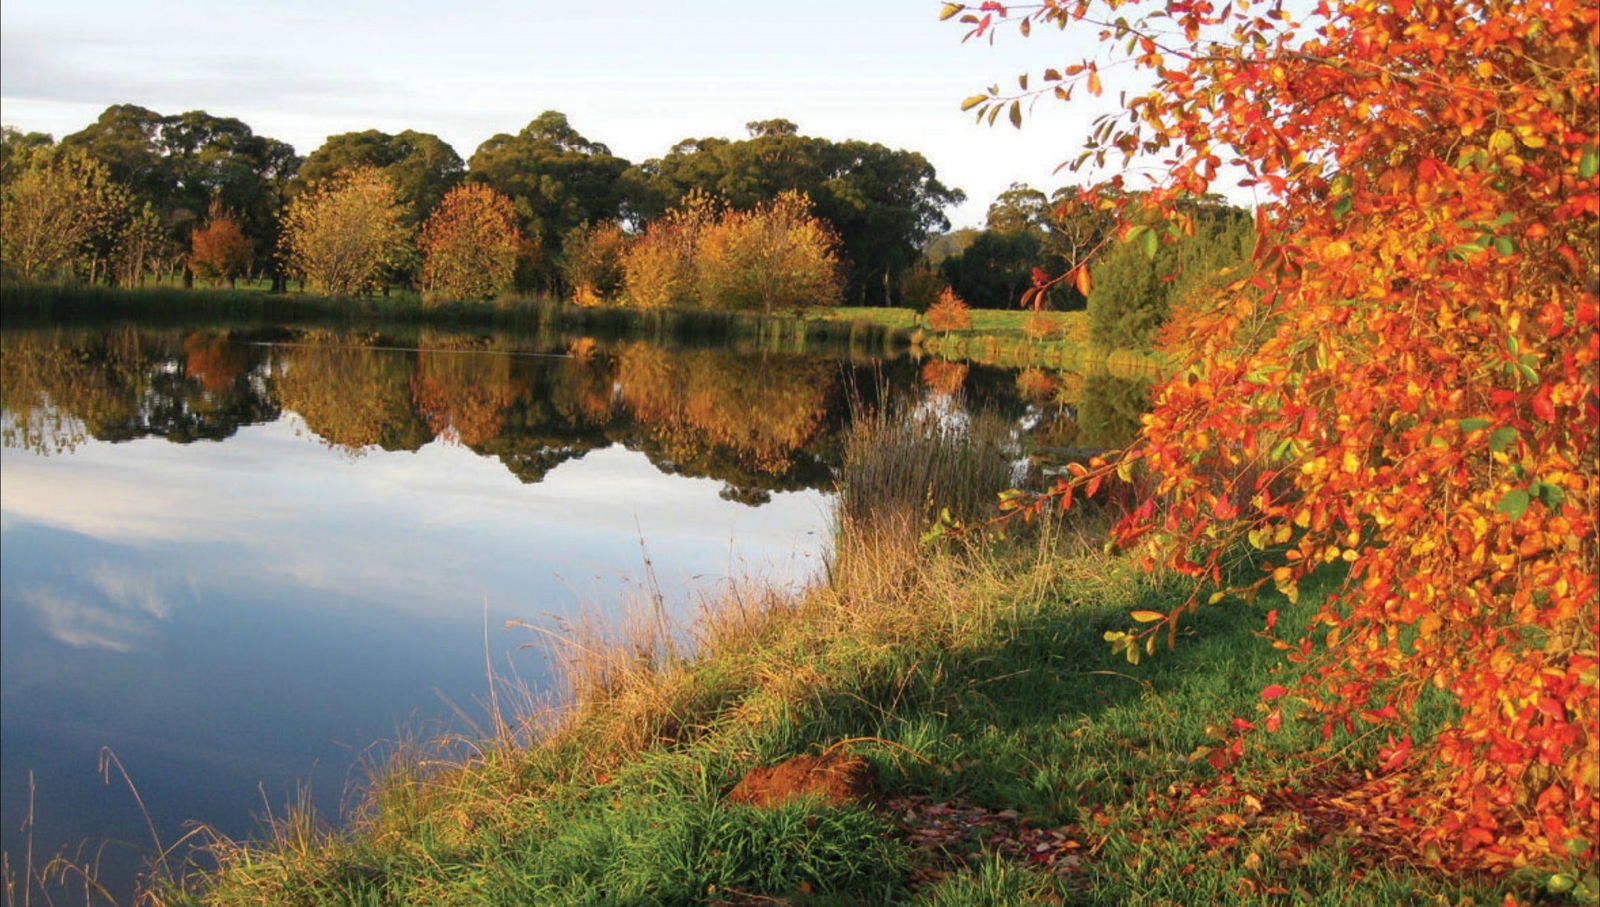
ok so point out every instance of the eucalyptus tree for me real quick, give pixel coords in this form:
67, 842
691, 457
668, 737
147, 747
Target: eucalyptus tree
557, 179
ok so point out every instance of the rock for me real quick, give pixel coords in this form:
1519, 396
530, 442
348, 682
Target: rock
834, 778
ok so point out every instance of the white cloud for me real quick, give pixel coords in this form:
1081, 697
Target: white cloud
81, 624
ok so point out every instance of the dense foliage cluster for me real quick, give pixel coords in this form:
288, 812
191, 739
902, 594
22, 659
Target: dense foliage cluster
52, 213
341, 236
704, 254
470, 244
878, 204
1136, 285
220, 250
1402, 390
591, 261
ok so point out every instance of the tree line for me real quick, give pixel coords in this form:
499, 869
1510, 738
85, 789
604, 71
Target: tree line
139, 194
774, 220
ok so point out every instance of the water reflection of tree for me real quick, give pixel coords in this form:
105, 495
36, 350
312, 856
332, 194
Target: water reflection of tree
59, 388
350, 395
563, 414
758, 424
1109, 411
706, 409
462, 390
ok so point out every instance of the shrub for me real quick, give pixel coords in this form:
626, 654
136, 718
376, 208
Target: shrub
592, 262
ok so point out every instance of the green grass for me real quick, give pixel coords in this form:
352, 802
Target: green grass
1000, 337
1010, 699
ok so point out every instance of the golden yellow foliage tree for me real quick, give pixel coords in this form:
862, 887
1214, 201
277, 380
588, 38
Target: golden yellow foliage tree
950, 313
340, 236
659, 268
51, 212
470, 243
776, 255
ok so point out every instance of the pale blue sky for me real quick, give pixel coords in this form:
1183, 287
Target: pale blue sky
636, 75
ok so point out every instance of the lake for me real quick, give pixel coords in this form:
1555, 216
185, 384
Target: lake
244, 558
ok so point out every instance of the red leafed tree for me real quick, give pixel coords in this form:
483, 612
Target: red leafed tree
1404, 385
470, 243
220, 250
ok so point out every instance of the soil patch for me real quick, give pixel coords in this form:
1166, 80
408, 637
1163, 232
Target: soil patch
837, 779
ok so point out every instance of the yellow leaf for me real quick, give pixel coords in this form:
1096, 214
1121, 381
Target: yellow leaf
1429, 625
1146, 617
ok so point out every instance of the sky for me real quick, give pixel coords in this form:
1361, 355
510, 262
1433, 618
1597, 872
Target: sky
638, 76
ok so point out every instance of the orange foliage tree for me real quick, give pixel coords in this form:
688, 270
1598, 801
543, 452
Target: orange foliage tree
219, 250
470, 243
659, 266
950, 313
1405, 385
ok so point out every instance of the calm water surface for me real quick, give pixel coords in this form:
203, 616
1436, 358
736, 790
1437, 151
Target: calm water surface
240, 557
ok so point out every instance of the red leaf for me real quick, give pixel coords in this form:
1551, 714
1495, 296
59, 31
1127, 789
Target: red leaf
1542, 407
1274, 691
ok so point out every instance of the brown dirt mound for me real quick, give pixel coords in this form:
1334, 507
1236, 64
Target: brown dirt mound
835, 778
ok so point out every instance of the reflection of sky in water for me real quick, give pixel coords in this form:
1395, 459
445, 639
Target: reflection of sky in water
255, 611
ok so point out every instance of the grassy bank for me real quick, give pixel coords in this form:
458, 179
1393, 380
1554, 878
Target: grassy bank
1010, 338
1017, 760
28, 306
997, 337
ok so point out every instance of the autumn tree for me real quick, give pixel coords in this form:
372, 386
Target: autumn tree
949, 313
220, 250
776, 255
52, 212
470, 244
659, 268
340, 236
592, 258
556, 179
1402, 392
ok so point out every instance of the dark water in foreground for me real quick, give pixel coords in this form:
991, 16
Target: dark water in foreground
241, 557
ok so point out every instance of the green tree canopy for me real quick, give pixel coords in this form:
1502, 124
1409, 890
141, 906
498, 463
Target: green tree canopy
1136, 284
183, 163
995, 269
18, 149
422, 166
556, 178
